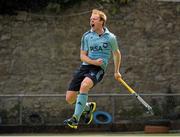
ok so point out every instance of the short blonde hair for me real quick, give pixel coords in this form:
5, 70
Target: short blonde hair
101, 14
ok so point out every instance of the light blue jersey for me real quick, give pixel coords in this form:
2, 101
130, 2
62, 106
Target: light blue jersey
99, 46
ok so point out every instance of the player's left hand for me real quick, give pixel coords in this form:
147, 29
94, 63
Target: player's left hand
117, 75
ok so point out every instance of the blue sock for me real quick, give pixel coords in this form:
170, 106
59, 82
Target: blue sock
80, 105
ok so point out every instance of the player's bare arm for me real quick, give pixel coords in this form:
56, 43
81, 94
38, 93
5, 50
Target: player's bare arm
117, 62
85, 58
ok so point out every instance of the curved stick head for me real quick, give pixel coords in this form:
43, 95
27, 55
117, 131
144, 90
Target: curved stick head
150, 111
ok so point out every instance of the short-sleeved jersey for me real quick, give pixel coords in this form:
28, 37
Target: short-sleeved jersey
99, 46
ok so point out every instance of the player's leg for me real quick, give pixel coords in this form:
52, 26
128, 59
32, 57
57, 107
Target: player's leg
71, 99
82, 98
96, 75
71, 95
86, 85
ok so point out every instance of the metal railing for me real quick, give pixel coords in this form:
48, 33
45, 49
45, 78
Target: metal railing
20, 98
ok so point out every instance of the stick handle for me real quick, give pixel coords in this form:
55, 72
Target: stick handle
126, 85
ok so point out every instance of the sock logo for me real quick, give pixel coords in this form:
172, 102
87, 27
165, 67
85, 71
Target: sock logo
79, 103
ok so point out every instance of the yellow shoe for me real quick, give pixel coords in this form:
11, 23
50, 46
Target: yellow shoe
89, 114
71, 122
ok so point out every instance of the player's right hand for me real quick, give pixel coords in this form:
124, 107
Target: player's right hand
98, 62
117, 75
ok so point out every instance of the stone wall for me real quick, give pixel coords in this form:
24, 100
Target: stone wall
38, 53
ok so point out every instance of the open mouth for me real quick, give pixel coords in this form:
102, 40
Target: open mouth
92, 25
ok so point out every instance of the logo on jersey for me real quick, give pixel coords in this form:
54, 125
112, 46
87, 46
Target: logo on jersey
105, 45
99, 47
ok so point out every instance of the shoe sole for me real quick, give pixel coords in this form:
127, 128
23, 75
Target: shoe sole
71, 126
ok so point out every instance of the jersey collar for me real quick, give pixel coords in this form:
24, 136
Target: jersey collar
106, 31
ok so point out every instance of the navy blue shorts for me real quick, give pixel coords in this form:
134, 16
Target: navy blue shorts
95, 73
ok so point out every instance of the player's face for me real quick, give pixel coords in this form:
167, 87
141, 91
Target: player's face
95, 22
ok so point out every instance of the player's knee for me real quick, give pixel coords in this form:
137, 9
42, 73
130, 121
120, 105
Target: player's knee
71, 97
70, 100
85, 86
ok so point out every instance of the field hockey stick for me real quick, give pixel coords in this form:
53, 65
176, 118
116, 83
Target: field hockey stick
149, 108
